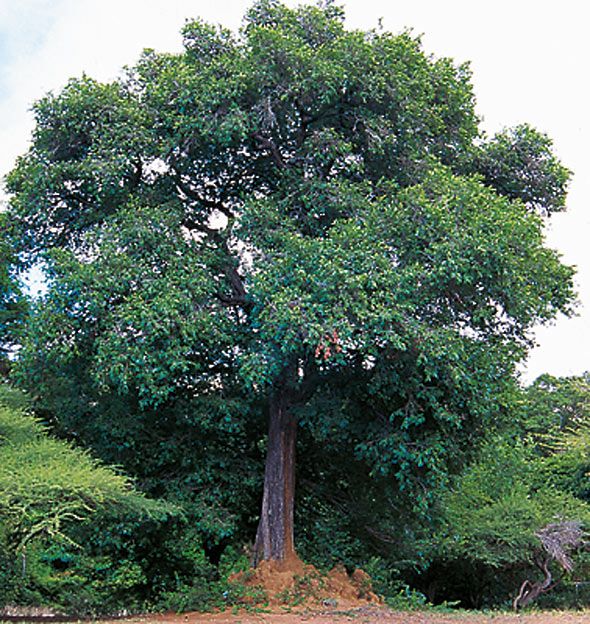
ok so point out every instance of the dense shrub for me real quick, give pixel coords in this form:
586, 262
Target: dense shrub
487, 543
74, 534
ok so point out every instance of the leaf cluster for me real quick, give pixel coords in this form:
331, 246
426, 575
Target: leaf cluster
47, 485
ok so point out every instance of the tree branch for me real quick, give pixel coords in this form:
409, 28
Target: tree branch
270, 145
185, 189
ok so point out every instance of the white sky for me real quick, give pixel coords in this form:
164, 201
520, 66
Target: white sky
529, 59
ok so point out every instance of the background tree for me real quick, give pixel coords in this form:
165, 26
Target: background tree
45, 484
302, 221
492, 522
554, 404
13, 305
528, 483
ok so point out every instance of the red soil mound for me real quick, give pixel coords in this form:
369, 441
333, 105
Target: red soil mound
292, 582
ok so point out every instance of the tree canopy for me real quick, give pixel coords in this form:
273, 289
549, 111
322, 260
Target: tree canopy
13, 304
300, 222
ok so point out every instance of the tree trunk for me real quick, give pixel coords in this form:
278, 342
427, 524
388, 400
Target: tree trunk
274, 537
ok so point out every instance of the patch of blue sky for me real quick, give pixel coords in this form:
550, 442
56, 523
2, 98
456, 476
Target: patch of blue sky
34, 282
24, 27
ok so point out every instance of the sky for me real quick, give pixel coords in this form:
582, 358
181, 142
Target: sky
528, 57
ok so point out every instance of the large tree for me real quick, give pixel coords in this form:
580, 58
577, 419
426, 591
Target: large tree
301, 219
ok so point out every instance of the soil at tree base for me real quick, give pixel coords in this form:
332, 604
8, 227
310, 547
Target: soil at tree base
291, 583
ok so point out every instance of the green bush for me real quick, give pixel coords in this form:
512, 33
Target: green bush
487, 543
123, 564
47, 484
211, 586
74, 534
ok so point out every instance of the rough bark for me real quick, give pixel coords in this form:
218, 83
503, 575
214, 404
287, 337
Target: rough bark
274, 537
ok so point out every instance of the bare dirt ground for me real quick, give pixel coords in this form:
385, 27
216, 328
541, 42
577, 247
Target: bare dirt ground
365, 615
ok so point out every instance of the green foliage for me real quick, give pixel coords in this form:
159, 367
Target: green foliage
387, 582
73, 532
13, 305
555, 404
213, 587
116, 561
15, 400
499, 505
126, 561
520, 164
46, 484
487, 543
566, 461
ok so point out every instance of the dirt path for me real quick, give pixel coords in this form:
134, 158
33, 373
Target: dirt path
366, 615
